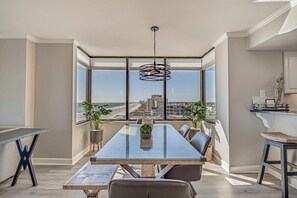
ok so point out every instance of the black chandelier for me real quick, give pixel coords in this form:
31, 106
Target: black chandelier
154, 71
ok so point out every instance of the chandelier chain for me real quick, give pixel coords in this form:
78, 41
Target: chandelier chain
155, 43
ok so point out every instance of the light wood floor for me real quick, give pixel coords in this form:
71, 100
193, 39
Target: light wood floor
215, 183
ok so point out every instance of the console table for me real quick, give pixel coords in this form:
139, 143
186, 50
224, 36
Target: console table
25, 152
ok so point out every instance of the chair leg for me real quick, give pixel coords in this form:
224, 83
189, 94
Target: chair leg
263, 160
284, 172
192, 189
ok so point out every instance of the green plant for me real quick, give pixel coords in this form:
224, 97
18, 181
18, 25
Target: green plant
195, 112
146, 129
94, 113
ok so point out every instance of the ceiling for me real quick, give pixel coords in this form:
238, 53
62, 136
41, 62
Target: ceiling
122, 27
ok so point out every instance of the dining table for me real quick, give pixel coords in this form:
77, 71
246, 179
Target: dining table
165, 147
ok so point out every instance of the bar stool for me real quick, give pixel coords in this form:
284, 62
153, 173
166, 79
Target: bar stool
284, 142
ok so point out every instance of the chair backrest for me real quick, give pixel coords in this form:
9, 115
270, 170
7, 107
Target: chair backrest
152, 188
139, 121
200, 141
184, 130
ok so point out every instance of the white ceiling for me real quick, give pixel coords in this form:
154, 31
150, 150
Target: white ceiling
122, 27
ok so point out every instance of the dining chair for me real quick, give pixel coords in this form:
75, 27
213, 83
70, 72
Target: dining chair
184, 130
139, 121
152, 188
189, 173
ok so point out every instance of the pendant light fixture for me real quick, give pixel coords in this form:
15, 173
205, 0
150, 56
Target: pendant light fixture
154, 71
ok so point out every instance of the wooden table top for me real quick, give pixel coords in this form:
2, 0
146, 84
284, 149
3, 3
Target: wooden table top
166, 146
19, 133
91, 177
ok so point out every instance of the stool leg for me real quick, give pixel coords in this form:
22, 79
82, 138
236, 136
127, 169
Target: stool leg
263, 160
284, 172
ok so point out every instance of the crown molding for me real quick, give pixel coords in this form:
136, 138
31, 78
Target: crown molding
270, 18
220, 40
37, 40
293, 3
230, 35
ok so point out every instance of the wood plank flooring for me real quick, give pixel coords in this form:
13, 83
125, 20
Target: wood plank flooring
215, 183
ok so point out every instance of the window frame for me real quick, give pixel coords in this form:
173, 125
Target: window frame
203, 91
88, 85
127, 58
98, 68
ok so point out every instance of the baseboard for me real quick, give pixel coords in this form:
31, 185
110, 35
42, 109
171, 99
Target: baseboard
222, 163
244, 169
292, 181
80, 155
60, 161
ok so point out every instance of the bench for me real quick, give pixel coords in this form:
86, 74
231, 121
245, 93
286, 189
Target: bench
91, 179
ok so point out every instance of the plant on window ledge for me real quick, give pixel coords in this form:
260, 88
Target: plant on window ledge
196, 112
94, 113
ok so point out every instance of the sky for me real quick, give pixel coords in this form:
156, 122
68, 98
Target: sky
109, 86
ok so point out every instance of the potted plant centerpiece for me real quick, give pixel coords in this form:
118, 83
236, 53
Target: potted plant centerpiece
196, 112
146, 131
94, 113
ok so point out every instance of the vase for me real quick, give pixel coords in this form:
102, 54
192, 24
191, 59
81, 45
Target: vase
96, 136
145, 135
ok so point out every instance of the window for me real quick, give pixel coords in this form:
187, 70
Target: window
184, 86
81, 91
109, 86
210, 97
115, 82
145, 98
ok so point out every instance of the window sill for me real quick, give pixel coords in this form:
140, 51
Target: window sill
81, 122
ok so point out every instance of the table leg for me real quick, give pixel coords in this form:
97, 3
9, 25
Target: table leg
164, 171
130, 170
148, 170
25, 160
92, 194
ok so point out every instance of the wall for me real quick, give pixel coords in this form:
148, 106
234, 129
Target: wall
249, 71
53, 96
30, 84
17, 65
220, 130
12, 82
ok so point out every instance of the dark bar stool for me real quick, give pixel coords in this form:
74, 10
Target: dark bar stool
284, 142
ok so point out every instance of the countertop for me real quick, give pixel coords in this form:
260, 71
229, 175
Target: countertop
291, 112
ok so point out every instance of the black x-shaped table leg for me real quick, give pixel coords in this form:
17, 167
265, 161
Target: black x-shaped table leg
25, 160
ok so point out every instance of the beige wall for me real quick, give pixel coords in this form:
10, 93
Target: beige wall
17, 95
221, 128
30, 84
249, 71
53, 99
12, 82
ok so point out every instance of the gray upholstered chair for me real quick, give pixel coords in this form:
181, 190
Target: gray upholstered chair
190, 173
139, 121
152, 188
184, 130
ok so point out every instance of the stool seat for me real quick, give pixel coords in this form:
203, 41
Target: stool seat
279, 137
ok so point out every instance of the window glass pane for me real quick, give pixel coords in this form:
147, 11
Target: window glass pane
145, 98
184, 87
210, 92
109, 88
81, 91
